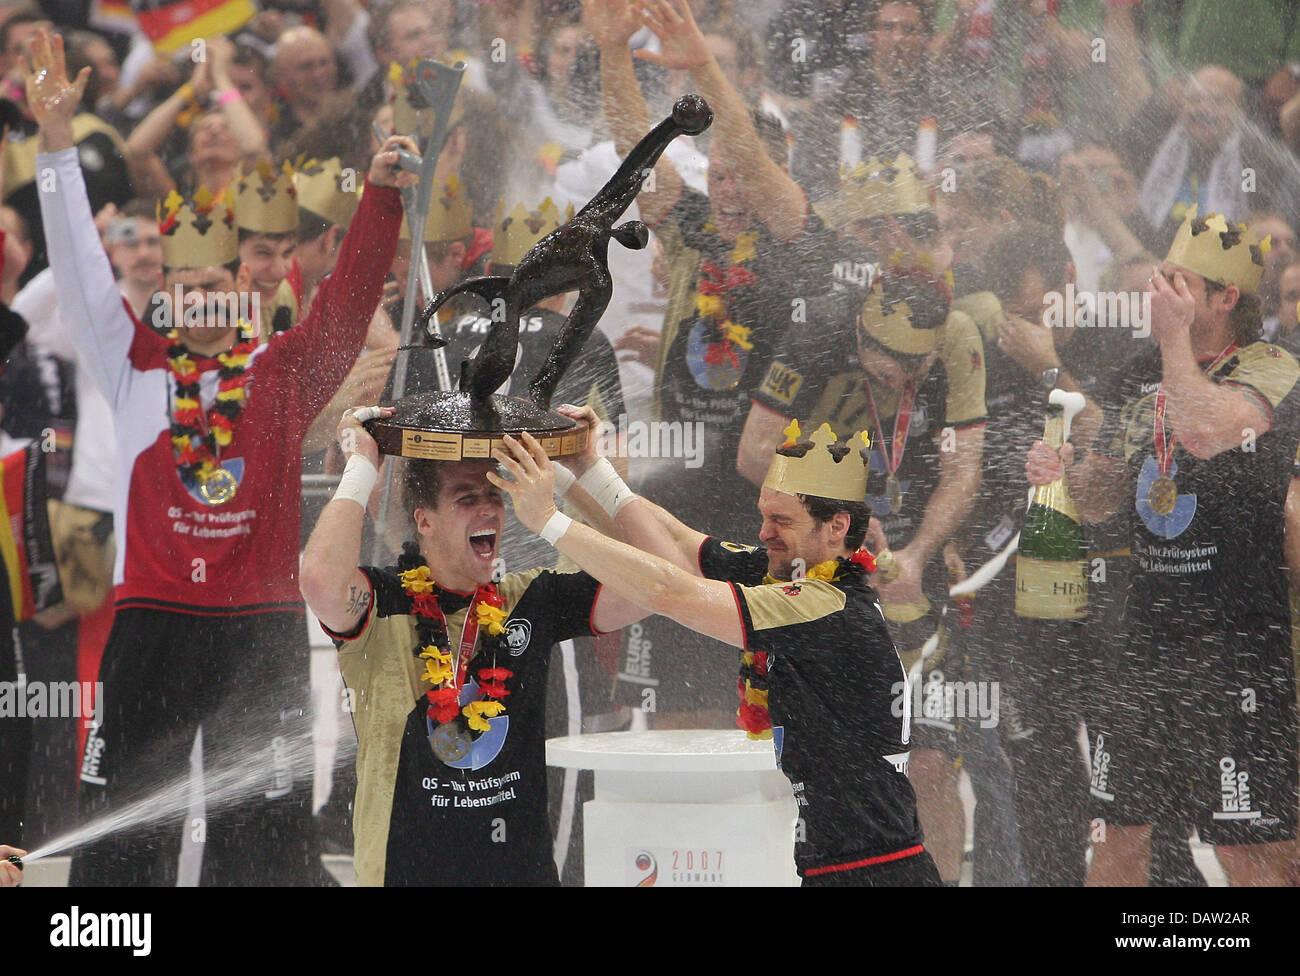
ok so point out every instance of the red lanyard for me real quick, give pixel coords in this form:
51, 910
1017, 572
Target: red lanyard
468, 634
893, 453
1165, 444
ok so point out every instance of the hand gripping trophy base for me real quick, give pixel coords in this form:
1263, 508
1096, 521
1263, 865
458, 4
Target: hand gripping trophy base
574, 257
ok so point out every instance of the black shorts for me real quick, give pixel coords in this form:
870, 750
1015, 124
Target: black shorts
1202, 729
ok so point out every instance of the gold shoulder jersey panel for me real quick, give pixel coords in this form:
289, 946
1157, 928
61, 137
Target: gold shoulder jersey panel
512, 585
984, 309
962, 353
1136, 430
383, 677
784, 604
1267, 368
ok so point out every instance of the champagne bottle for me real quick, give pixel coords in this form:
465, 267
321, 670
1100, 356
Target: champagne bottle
1052, 560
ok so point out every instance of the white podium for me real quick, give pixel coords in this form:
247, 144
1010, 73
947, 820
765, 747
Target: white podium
683, 808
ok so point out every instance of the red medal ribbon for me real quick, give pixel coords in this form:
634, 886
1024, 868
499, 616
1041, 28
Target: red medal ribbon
902, 422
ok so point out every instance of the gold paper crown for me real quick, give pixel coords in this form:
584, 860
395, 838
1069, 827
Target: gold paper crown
876, 188
1227, 254
450, 214
892, 327
409, 118
201, 234
827, 468
515, 233
265, 199
327, 190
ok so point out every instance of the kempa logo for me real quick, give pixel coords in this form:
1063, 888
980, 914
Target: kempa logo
74, 930
651, 439
937, 702
1100, 771
1100, 309
1234, 793
205, 309
53, 699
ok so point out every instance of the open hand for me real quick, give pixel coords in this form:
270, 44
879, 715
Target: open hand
679, 36
532, 488
51, 97
611, 22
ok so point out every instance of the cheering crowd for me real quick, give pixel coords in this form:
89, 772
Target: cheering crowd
912, 218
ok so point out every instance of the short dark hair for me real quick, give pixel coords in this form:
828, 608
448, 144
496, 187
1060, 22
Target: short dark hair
923, 7
1026, 247
231, 266
245, 234
311, 225
823, 510
139, 208
1246, 317
421, 483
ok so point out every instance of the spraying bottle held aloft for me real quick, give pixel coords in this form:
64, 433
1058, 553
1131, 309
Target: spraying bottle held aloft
1052, 561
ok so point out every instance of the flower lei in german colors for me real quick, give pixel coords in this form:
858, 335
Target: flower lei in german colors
752, 715
196, 450
433, 646
711, 300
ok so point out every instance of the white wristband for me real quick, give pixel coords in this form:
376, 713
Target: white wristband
358, 480
603, 484
555, 526
563, 480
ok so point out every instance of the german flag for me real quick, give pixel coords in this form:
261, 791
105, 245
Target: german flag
171, 24
26, 548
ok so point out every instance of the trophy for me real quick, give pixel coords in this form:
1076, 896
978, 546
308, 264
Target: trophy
471, 421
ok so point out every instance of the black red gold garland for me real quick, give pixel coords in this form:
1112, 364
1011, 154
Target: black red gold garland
197, 451
433, 645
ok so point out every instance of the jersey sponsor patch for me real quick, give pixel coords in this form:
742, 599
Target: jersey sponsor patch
781, 382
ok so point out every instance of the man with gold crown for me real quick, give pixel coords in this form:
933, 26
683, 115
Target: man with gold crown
818, 671
1200, 721
266, 214
208, 620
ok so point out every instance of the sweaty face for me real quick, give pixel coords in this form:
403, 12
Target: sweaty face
269, 260
206, 320
460, 535
898, 42
138, 254
731, 217
791, 534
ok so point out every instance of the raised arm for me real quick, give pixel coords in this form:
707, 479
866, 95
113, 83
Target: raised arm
91, 306
612, 23
769, 192
335, 590
634, 582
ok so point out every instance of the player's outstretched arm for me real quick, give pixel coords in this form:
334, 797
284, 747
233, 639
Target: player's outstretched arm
601, 494
335, 590
634, 581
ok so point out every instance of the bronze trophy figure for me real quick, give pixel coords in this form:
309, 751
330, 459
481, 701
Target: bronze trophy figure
470, 422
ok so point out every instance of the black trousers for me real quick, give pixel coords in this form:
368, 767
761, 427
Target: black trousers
246, 680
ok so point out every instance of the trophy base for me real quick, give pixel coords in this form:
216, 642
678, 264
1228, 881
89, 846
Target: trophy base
449, 427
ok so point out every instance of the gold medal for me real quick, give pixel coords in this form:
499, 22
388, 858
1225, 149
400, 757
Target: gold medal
218, 487
895, 490
1162, 495
450, 742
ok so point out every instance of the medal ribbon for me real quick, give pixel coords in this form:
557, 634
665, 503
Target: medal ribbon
468, 634
902, 422
1165, 444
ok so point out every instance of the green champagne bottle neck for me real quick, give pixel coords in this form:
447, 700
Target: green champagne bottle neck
1055, 494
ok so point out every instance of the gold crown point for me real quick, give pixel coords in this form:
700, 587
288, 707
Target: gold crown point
792, 434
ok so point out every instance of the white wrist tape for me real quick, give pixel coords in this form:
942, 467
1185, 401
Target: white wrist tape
603, 484
358, 480
363, 414
563, 480
555, 526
